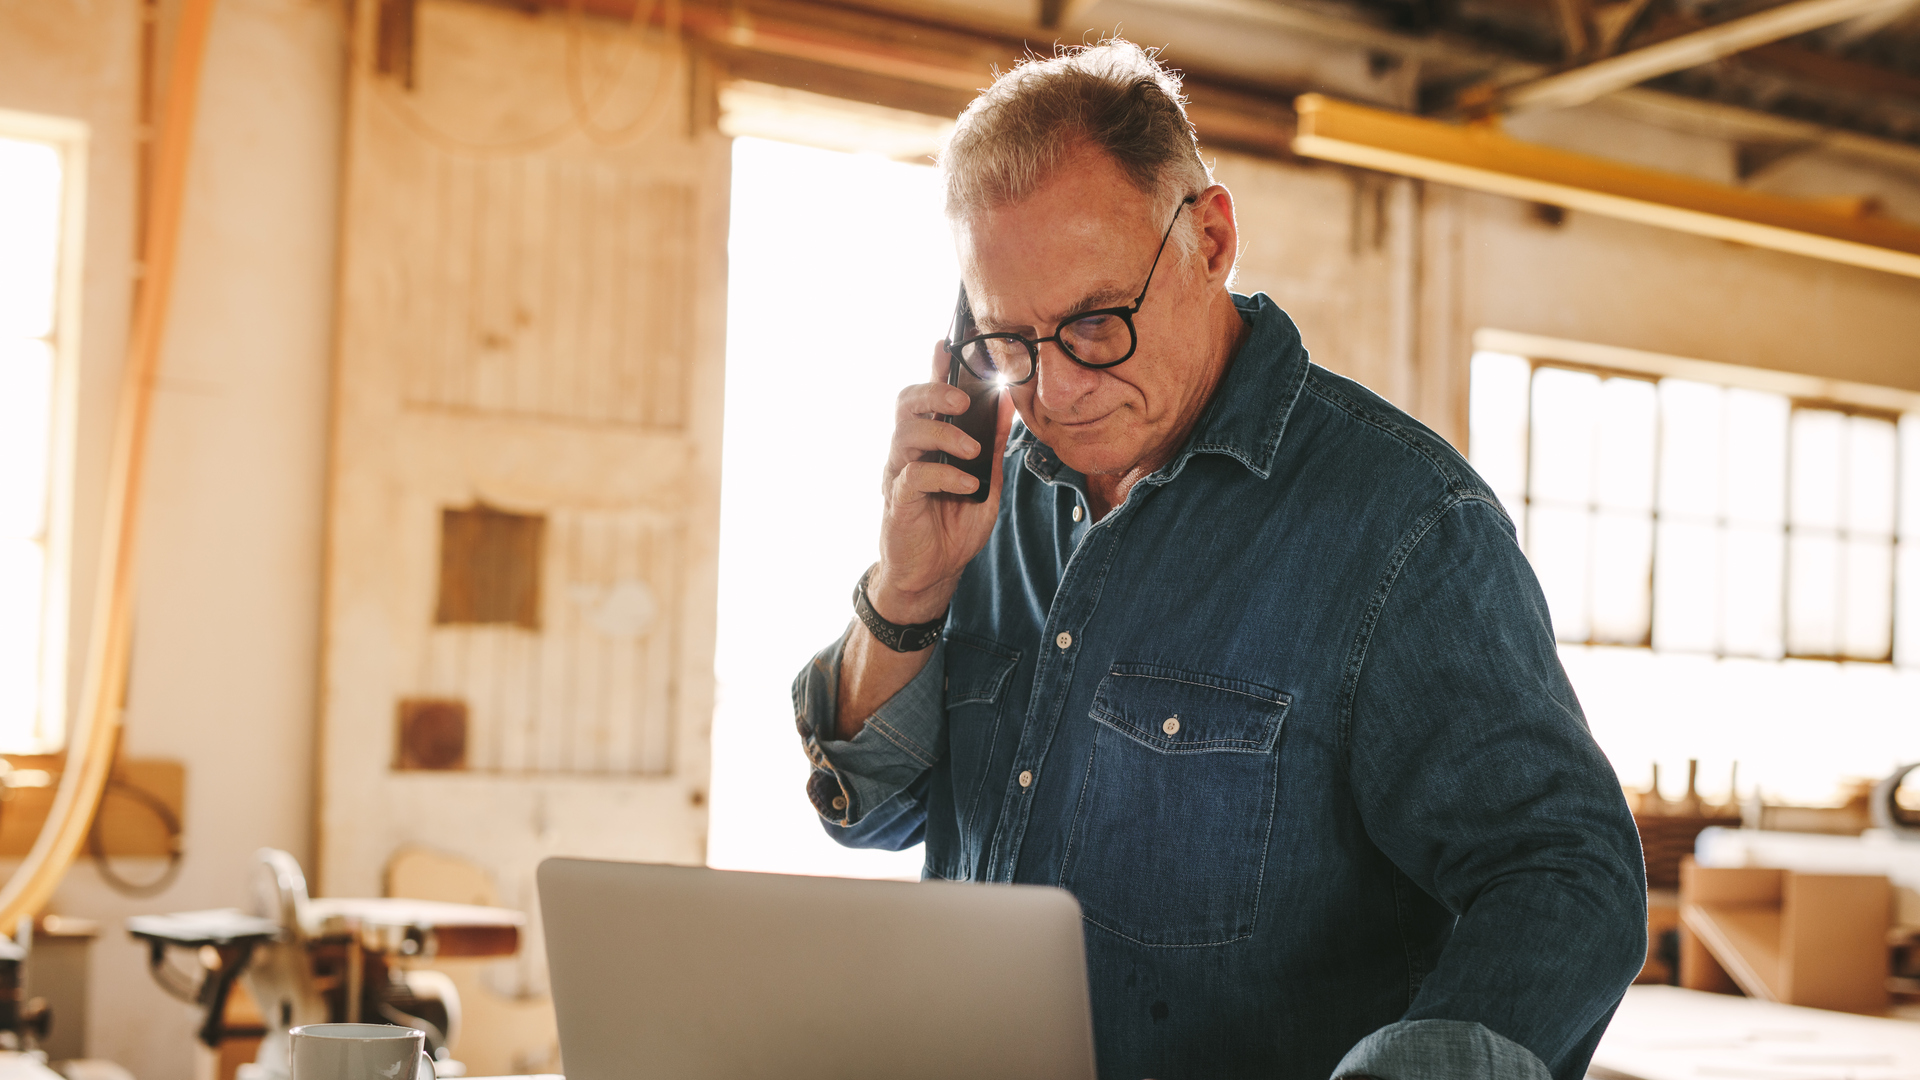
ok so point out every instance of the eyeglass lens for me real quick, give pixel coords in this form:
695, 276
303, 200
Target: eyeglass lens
1099, 339
1103, 338
997, 358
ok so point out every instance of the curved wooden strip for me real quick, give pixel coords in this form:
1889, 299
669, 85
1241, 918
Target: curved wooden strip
91, 741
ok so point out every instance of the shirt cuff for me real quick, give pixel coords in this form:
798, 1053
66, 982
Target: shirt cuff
1440, 1050
899, 742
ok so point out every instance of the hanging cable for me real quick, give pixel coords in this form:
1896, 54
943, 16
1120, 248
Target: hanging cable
586, 105
671, 62
394, 100
176, 852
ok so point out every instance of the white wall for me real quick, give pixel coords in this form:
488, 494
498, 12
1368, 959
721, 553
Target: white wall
224, 653
1389, 278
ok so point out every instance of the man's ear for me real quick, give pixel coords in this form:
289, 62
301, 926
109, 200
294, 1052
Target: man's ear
1219, 234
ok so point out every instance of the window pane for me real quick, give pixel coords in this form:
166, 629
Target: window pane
1497, 425
1867, 611
1906, 627
1813, 593
1869, 476
1686, 586
1565, 408
1756, 457
20, 573
29, 236
1622, 568
1623, 477
1751, 591
1690, 449
1818, 437
1557, 545
1910, 476
26, 390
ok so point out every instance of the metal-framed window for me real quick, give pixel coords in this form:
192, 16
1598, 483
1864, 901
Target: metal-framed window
42, 180
1700, 516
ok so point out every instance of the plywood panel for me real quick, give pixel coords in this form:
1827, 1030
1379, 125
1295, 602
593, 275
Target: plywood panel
546, 287
530, 321
593, 689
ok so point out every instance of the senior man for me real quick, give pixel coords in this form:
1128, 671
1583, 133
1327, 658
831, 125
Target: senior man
1239, 653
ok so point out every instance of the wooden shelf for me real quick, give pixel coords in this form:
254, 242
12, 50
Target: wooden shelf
1818, 940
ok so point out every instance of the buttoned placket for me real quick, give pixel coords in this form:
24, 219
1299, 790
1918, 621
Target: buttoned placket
1087, 566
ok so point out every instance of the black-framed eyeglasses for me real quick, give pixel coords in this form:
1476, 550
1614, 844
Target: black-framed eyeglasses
1098, 339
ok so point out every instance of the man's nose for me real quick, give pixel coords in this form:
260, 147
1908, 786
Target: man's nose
1062, 383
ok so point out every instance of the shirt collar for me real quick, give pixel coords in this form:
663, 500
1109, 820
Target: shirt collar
1247, 414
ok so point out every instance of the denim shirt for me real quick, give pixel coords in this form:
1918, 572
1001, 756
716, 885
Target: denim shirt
1291, 726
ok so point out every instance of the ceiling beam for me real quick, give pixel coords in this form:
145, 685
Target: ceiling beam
1614, 22
1356, 27
1584, 84
936, 67
1057, 13
1832, 72
1481, 157
1574, 17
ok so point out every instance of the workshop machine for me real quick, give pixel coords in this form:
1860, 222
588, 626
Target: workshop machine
23, 1022
308, 960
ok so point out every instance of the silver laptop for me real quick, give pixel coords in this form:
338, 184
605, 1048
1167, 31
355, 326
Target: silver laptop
691, 974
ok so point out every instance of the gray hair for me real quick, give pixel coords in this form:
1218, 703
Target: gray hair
1115, 96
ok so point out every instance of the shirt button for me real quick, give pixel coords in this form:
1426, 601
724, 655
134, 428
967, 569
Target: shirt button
1065, 640
1172, 726
1078, 513
1026, 778
839, 802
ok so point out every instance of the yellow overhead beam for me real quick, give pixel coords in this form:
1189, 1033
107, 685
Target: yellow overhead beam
1482, 157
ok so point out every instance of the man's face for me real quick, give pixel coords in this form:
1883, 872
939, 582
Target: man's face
1086, 239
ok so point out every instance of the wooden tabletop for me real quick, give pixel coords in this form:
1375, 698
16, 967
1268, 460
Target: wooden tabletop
456, 929
1666, 1033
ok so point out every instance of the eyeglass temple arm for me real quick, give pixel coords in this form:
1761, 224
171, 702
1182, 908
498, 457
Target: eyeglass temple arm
962, 315
1164, 237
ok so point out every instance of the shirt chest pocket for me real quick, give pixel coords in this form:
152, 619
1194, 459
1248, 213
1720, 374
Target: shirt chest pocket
1169, 840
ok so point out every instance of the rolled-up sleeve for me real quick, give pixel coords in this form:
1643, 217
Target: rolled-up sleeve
876, 774
1439, 1050
1475, 774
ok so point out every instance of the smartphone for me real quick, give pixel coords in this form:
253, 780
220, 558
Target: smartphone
982, 417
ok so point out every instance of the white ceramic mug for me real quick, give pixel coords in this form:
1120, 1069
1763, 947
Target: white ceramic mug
360, 1052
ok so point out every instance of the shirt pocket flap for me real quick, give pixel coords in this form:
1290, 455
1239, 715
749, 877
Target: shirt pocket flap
1181, 712
977, 669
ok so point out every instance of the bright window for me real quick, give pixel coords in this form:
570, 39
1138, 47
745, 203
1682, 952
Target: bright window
1736, 539
826, 320
33, 186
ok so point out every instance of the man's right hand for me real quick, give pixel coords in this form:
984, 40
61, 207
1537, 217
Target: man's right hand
926, 536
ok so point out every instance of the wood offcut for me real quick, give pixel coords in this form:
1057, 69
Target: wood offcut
393, 40
490, 567
432, 734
